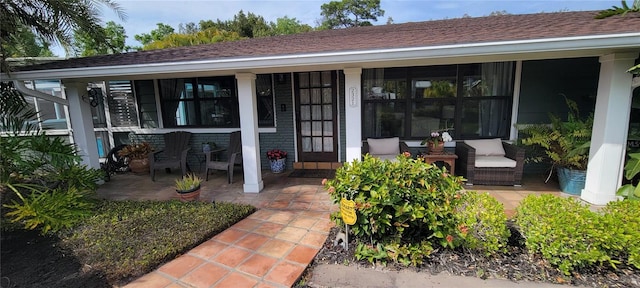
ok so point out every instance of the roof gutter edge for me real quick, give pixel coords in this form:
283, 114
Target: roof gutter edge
615, 41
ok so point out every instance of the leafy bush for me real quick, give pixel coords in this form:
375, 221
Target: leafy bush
621, 220
41, 179
126, 239
406, 201
631, 169
571, 236
49, 210
484, 222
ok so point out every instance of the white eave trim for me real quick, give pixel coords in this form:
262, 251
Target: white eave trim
567, 44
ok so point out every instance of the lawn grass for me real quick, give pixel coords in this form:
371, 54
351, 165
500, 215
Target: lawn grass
126, 239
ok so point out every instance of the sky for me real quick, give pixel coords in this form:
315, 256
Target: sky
142, 15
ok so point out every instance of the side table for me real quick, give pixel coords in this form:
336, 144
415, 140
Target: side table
202, 156
445, 157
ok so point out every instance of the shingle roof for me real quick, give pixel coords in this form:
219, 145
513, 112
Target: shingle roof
414, 34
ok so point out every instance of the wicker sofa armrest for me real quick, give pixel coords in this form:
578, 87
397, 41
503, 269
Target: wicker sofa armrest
466, 162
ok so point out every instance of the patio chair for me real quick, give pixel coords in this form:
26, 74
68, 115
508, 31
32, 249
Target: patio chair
234, 157
384, 148
490, 162
174, 154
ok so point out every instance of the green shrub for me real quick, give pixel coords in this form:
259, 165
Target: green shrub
407, 201
571, 236
621, 220
127, 239
484, 222
48, 210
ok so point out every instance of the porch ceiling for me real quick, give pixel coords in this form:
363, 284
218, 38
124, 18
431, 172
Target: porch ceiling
463, 40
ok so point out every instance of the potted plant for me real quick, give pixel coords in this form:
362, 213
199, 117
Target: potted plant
188, 187
435, 141
278, 160
137, 156
565, 145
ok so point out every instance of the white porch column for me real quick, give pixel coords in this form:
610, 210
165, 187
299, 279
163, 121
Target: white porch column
249, 127
610, 128
353, 113
82, 122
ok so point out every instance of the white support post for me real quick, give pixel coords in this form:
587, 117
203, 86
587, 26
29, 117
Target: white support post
353, 113
82, 123
610, 128
249, 127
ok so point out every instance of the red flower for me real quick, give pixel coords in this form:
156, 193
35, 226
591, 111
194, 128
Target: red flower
276, 154
449, 238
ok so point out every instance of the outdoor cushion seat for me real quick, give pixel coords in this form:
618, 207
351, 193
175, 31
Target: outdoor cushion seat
384, 148
490, 162
495, 161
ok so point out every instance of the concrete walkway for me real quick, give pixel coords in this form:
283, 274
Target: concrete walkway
273, 246
351, 276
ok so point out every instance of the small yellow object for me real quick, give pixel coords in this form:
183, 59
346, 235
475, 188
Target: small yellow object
348, 211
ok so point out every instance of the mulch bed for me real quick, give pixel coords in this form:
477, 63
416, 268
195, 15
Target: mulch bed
32, 260
515, 265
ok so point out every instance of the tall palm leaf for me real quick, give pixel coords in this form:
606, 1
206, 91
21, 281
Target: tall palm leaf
54, 20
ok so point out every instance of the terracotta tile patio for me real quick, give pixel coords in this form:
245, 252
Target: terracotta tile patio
273, 246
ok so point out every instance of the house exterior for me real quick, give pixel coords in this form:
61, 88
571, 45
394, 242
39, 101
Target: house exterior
318, 95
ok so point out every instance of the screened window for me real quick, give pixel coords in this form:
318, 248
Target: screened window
470, 101
264, 92
209, 102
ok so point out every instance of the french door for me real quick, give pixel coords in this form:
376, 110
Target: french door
316, 115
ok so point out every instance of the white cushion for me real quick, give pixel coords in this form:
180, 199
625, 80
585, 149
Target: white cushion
494, 162
487, 147
390, 157
384, 146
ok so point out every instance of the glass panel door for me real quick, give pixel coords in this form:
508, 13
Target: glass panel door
316, 116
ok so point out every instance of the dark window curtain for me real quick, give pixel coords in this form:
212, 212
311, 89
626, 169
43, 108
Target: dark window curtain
493, 113
171, 89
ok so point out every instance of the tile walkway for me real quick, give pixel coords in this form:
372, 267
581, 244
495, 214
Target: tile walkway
273, 246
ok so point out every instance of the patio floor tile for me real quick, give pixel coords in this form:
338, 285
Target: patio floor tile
151, 280
181, 266
207, 249
236, 279
232, 256
302, 255
257, 265
252, 241
276, 248
303, 222
205, 275
285, 273
292, 234
314, 239
247, 224
230, 235
269, 229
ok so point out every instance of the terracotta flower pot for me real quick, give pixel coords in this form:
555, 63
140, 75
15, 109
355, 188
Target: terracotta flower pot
189, 195
436, 149
139, 166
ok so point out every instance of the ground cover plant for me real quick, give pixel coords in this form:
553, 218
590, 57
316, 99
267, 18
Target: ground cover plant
120, 241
